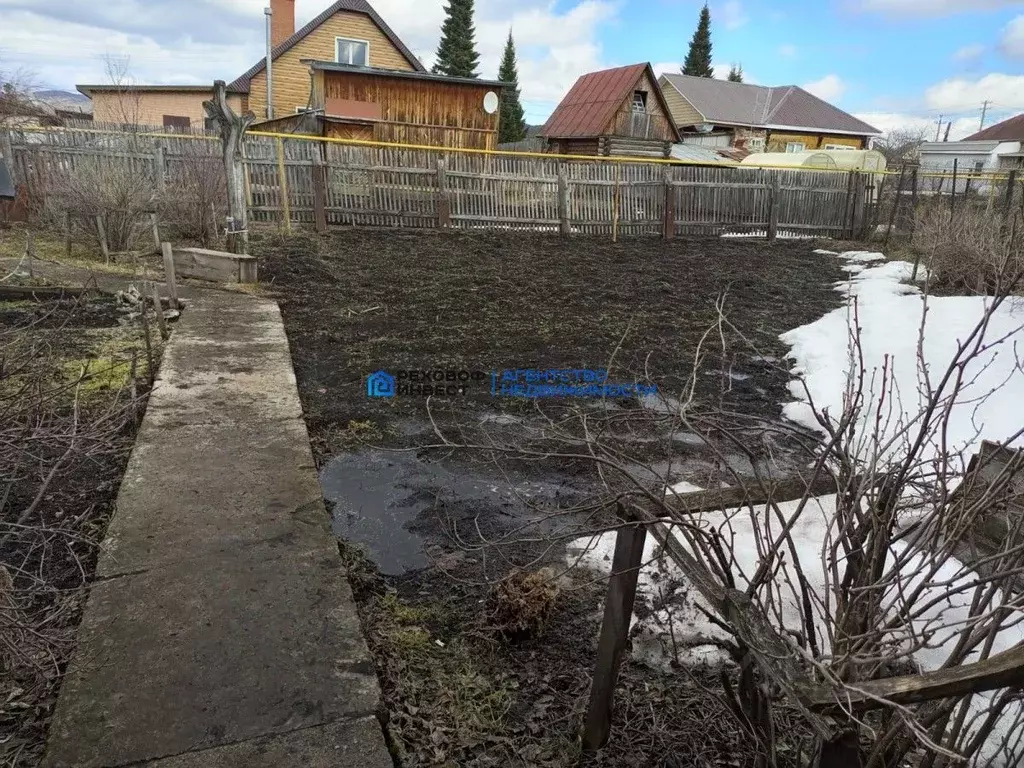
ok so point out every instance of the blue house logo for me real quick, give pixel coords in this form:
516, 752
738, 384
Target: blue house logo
380, 384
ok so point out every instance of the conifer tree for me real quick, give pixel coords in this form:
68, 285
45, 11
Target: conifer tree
698, 58
512, 126
457, 55
736, 73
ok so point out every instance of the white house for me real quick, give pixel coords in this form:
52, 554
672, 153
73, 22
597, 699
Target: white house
996, 148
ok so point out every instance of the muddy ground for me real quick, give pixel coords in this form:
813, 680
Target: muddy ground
68, 417
429, 532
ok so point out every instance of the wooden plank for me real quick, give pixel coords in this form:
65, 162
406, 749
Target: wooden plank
618, 612
282, 185
169, 277
774, 201
444, 201
319, 196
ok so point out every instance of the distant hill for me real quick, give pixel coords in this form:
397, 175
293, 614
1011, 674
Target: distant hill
70, 100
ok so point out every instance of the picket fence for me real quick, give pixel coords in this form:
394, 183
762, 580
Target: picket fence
300, 181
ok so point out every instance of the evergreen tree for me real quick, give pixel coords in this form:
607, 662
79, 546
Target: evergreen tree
513, 125
736, 74
698, 59
456, 55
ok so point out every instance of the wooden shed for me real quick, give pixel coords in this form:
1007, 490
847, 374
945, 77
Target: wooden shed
406, 107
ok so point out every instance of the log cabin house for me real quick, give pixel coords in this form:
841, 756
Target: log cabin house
619, 111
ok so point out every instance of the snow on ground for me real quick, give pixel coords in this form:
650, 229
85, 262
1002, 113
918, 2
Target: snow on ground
684, 633
889, 312
782, 234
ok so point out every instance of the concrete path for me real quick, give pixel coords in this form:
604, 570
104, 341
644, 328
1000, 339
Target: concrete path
221, 630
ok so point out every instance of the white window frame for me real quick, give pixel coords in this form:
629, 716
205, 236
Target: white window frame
351, 40
838, 146
755, 143
795, 146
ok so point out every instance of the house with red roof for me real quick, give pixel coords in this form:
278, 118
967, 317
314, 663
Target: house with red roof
619, 111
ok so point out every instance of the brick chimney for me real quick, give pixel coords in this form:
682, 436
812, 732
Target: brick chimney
283, 21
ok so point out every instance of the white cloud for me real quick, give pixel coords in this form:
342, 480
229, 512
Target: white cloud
830, 88
1012, 42
961, 94
889, 121
918, 8
968, 53
731, 15
787, 50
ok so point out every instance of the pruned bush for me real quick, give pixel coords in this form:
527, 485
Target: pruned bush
521, 603
969, 250
195, 196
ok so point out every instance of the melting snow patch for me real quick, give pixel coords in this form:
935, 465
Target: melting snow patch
782, 234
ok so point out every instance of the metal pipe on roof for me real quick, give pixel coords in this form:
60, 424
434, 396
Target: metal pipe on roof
270, 62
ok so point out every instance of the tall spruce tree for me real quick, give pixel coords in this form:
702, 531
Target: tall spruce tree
512, 126
736, 74
456, 55
698, 58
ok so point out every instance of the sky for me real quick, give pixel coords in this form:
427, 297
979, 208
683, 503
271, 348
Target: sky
894, 63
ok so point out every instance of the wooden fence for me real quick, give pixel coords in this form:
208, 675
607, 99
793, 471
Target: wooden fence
299, 181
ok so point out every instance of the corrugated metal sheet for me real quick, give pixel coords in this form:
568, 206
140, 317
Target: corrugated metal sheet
693, 153
241, 85
729, 103
1008, 130
591, 103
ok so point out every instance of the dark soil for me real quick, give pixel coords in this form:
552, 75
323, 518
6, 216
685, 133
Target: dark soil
48, 555
457, 692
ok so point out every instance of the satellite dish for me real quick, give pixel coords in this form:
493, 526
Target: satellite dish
490, 102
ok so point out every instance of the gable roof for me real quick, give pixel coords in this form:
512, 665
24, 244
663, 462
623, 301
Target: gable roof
243, 83
789, 106
1008, 130
588, 107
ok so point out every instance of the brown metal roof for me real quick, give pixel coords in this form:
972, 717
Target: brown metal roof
588, 108
243, 83
1008, 130
728, 103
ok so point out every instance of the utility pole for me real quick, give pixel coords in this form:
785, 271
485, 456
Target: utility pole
984, 110
938, 128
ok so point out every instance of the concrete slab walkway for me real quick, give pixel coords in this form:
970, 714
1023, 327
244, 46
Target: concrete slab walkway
221, 630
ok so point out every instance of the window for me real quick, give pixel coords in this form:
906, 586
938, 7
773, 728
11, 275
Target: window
174, 121
795, 146
838, 146
639, 101
354, 52
755, 144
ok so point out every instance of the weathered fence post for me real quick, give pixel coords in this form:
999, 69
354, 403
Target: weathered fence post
618, 612
444, 200
912, 224
563, 201
155, 224
1011, 183
159, 168
860, 189
282, 183
774, 195
169, 277
952, 196
161, 320
7, 150
319, 194
232, 130
101, 230
895, 206
668, 228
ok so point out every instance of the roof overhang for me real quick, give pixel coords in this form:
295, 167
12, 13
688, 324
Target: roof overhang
959, 147
333, 66
88, 90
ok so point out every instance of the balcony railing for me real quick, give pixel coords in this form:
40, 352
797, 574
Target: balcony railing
642, 125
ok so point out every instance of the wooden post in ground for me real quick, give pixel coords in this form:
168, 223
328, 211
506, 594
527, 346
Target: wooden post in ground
912, 226
232, 131
952, 195
774, 195
319, 194
618, 612
564, 226
444, 200
104, 245
7, 150
615, 206
282, 183
895, 206
668, 226
1011, 184
158, 306
860, 191
155, 224
169, 277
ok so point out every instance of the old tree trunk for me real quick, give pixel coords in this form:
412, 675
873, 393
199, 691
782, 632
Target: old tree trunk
232, 129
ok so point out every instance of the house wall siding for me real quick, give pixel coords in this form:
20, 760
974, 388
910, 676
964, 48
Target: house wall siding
777, 142
141, 107
423, 112
683, 113
292, 77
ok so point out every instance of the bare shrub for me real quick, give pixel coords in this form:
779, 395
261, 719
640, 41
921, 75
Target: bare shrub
195, 195
114, 191
969, 250
521, 603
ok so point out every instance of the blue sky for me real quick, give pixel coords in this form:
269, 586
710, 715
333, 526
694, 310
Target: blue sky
893, 62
